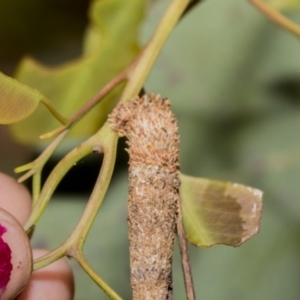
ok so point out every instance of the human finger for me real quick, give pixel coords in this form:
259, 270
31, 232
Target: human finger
14, 198
15, 256
54, 282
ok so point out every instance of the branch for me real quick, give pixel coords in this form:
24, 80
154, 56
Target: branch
277, 17
185, 260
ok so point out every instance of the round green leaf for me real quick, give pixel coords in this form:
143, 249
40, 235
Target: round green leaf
219, 212
17, 100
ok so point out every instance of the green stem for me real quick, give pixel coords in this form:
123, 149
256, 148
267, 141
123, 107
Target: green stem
98, 280
150, 54
134, 85
54, 111
101, 94
57, 174
92, 102
277, 17
35, 167
50, 257
109, 146
36, 186
73, 245
52, 133
140, 73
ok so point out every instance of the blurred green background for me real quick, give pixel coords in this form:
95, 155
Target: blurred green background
234, 81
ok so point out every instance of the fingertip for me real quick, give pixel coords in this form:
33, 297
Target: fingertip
54, 282
14, 198
15, 256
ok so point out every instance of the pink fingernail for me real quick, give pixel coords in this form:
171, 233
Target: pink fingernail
5, 262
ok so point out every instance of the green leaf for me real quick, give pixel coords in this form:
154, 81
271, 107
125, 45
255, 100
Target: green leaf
111, 43
17, 100
219, 212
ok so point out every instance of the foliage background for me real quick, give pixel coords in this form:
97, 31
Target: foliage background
234, 81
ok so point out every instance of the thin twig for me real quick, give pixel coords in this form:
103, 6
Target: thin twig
97, 279
185, 260
277, 17
92, 102
153, 49
54, 111
103, 92
125, 74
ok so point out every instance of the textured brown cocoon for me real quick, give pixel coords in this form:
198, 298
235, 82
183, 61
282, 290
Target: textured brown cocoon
153, 142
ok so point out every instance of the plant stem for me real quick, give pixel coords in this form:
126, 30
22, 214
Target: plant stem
92, 102
277, 17
185, 260
54, 111
57, 174
72, 247
109, 147
173, 14
102, 93
35, 167
76, 240
36, 186
98, 280
152, 50
50, 257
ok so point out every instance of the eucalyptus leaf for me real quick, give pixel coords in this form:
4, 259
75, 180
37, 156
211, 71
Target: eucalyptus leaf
111, 43
219, 212
17, 100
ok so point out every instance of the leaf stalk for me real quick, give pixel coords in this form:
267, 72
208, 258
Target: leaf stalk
277, 17
152, 50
